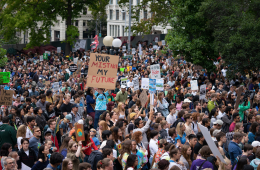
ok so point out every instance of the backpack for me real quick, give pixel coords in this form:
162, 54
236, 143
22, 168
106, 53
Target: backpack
176, 122
93, 159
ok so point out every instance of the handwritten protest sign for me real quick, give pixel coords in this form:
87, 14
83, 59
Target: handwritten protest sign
4, 77
159, 84
73, 67
124, 81
155, 71
79, 131
152, 86
41, 58
143, 98
124, 48
47, 83
194, 85
79, 65
136, 83
145, 83
133, 51
6, 97
56, 86
75, 60
128, 57
203, 91
156, 39
160, 43
103, 71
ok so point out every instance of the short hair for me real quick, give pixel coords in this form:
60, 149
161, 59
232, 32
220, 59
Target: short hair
163, 123
192, 136
154, 133
42, 96
159, 119
205, 151
163, 164
172, 131
220, 135
250, 117
36, 127
172, 107
237, 135
24, 139
30, 119
175, 167
56, 158
248, 147
235, 115
106, 152
195, 104
6, 119
213, 95
84, 165
50, 122
137, 122
204, 121
228, 109
5, 160
199, 135
75, 96
181, 113
187, 116
106, 134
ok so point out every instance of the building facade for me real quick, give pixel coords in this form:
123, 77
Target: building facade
118, 19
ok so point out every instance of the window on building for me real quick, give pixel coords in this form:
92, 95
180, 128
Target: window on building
111, 14
137, 2
118, 31
84, 23
117, 14
115, 30
116, 2
145, 14
123, 30
138, 15
110, 28
112, 31
76, 23
123, 16
132, 2
110, 1
85, 11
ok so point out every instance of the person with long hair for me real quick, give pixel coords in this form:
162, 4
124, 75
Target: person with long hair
102, 126
163, 164
67, 164
106, 117
89, 123
114, 117
243, 161
87, 146
131, 163
162, 143
110, 106
213, 116
125, 152
162, 105
175, 155
181, 135
74, 153
121, 109
225, 166
63, 148
21, 133
117, 135
138, 137
252, 132
19, 117
142, 157
4, 152
43, 160
91, 100
185, 156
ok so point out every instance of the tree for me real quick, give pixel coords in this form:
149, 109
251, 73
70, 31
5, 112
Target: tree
160, 11
3, 58
190, 35
38, 15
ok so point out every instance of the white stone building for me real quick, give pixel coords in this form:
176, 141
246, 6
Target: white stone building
118, 19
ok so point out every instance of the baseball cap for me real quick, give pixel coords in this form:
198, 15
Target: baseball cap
188, 95
69, 117
132, 115
215, 132
123, 86
219, 122
74, 106
187, 101
256, 143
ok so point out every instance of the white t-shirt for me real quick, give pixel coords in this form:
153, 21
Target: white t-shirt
130, 84
19, 142
224, 72
171, 119
29, 133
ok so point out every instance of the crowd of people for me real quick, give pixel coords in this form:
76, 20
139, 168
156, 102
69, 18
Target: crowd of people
121, 133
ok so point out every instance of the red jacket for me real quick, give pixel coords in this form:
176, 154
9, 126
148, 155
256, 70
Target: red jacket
56, 143
88, 150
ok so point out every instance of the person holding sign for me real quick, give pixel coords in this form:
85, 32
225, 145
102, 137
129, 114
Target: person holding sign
75, 154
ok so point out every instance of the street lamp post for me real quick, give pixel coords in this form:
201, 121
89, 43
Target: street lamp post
107, 41
129, 26
117, 43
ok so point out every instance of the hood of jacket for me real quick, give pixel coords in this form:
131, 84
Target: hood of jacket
4, 126
255, 162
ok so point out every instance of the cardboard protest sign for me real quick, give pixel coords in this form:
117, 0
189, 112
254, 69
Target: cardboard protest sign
56, 86
197, 67
4, 77
145, 83
143, 98
159, 84
58, 49
210, 142
155, 71
102, 71
152, 86
160, 43
203, 91
79, 131
6, 97
124, 81
194, 85
47, 83
239, 92
155, 47
79, 65
136, 83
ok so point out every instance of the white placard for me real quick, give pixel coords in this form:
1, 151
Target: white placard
155, 71
140, 48
124, 81
75, 60
136, 83
145, 83
56, 86
163, 42
41, 57
194, 85
152, 99
82, 44
124, 48
155, 47
133, 50
210, 142
203, 91
48, 52
58, 49
156, 39
159, 84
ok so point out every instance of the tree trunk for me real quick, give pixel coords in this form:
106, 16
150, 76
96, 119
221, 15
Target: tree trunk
67, 47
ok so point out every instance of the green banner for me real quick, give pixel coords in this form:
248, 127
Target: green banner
128, 56
45, 56
4, 77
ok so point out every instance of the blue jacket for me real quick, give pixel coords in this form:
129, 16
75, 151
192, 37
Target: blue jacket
234, 151
251, 137
90, 100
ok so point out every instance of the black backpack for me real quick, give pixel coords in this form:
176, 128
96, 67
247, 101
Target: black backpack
176, 122
93, 159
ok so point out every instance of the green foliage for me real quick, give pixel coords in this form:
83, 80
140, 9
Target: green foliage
71, 32
190, 36
160, 11
3, 58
